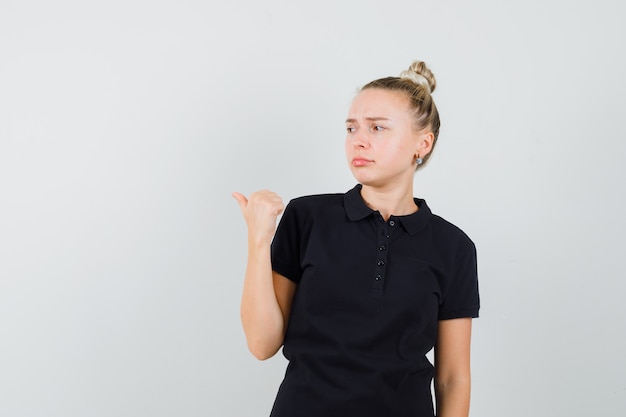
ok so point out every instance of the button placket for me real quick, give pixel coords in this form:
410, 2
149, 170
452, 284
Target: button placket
384, 233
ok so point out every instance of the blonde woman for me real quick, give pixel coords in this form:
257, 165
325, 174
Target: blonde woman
359, 287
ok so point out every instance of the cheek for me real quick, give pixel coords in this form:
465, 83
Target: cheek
408, 146
347, 144
403, 153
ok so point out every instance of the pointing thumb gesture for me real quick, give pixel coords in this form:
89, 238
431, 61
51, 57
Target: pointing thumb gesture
241, 199
260, 211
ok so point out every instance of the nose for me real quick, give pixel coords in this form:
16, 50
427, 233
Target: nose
360, 141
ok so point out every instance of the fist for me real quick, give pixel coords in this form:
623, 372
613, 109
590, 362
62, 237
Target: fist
260, 211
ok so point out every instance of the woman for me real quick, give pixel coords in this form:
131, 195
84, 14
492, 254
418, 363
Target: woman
358, 287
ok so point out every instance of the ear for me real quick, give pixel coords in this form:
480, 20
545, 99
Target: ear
425, 142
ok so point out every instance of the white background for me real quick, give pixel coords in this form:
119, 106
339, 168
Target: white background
125, 126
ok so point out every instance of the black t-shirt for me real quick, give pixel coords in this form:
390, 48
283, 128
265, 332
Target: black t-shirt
369, 297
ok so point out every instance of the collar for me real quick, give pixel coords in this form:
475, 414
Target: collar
356, 209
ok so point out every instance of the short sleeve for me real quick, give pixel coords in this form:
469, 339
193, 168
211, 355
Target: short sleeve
461, 297
286, 245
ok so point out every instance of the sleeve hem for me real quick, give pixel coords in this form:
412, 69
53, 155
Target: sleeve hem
457, 314
286, 272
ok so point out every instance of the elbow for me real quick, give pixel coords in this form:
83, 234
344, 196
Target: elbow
263, 340
261, 352
462, 383
261, 356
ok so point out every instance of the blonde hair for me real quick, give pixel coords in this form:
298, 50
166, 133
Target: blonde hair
418, 83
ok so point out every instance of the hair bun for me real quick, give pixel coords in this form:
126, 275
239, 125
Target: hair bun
420, 74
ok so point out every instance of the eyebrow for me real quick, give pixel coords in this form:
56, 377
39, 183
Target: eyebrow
371, 119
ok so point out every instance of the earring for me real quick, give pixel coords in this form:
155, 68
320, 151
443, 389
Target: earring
419, 160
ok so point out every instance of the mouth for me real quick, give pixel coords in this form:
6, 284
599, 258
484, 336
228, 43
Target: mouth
360, 161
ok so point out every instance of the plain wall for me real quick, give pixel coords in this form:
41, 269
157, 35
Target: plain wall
125, 126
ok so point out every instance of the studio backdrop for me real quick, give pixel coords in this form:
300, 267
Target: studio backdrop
126, 125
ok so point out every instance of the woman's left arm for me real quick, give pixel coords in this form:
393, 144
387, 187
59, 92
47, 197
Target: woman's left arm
452, 367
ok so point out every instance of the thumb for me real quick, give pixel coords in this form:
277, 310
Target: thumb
241, 199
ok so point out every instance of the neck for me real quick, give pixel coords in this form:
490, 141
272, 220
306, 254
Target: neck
396, 201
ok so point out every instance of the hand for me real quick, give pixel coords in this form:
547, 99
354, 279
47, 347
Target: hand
260, 212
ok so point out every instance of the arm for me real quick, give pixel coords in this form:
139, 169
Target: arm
452, 367
267, 295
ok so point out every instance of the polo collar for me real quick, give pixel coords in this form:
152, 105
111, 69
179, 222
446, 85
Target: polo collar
356, 209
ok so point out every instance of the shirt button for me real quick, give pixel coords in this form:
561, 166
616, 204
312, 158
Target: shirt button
382, 247
392, 223
379, 277
380, 263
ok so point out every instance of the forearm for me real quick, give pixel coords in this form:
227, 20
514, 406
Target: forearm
453, 397
261, 316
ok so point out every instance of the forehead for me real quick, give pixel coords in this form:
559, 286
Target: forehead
375, 102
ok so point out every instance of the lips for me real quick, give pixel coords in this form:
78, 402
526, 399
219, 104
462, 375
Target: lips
360, 161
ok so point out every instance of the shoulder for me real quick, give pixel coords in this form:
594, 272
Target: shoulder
448, 228
316, 202
308, 209
302, 214
318, 198
450, 235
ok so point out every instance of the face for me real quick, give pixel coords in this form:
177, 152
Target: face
382, 141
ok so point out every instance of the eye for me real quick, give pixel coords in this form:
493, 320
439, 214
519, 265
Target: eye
350, 129
377, 128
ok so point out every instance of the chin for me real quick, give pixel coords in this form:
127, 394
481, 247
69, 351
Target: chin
368, 180
361, 176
